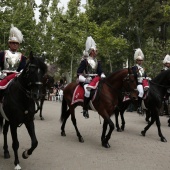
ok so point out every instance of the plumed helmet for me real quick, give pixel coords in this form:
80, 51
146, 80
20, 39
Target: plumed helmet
90, 45
15, 35
138, 54
166, 59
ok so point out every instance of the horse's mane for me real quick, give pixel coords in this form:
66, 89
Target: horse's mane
115, 72
155, 93
161, 75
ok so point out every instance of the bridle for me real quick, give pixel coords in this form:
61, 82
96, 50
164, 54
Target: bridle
128, 90
28, 91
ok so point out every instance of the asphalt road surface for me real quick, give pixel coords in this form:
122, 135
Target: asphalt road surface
129, 150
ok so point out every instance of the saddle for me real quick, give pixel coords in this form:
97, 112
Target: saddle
78, 95
9, 76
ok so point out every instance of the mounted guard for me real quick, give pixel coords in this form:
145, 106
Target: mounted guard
141, 77
89, 72
166, 62
11, 61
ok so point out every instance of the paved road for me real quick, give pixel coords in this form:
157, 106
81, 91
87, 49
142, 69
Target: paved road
129, 150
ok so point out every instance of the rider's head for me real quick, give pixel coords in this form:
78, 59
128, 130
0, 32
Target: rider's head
93, 52
138, 56
166, 61
91, 47
15, 38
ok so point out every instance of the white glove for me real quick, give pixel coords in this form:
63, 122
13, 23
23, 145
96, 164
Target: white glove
102, 75
82, 78
2, 76
88, 80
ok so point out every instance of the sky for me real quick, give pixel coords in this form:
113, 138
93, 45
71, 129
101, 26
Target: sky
63, 3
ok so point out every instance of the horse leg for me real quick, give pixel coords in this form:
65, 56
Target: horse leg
117, 121
158, 123
123, 120
75, 126
34, 143
41, 108
105, 123
15, 145
148, 126
66, 116
5, 132
105, 142
147, 116
169, 122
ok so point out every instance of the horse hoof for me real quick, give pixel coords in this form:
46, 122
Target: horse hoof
169, 125
143, 133
6, 155
163, 139
41, 118
119, 130
106, 145
25, 155
17, 167
122, 128
63, 134
81, 140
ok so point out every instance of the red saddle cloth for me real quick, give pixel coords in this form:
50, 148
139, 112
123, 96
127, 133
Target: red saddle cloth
5, 82
78, 95
145, 84
94, 83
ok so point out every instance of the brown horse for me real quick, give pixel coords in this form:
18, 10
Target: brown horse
105, 101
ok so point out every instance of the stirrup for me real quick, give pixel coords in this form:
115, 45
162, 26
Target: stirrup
85, 114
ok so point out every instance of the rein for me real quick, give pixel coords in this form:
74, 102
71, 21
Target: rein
28, 93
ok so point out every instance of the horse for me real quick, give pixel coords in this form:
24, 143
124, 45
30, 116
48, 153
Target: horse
104, 103
153, 101
48, 85
18, 106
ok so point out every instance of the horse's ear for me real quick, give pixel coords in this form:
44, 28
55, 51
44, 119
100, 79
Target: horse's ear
43, 58
129, 70
30, 55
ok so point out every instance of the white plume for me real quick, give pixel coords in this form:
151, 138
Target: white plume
15, 32
138, 54
166, 59
90, 44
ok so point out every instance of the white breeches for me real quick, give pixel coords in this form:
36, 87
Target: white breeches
87, 92
140, 90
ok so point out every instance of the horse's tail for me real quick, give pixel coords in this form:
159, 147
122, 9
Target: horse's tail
63, 109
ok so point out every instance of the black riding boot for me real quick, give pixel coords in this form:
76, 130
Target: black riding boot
85, 107
139, 109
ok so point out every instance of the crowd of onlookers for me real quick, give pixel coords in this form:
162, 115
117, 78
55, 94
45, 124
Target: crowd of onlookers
57, 94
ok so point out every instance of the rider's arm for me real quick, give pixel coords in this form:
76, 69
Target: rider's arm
2, 53
22, 63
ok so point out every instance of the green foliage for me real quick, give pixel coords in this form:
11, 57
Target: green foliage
117, 26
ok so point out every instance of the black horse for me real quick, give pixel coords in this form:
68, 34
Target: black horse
18, 106
48, 85
153, 101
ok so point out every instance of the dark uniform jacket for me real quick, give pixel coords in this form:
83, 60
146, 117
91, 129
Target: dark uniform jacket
85, 68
